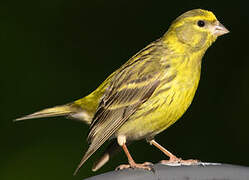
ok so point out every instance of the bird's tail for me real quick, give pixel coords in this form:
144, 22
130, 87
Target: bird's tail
70, 110
111, 150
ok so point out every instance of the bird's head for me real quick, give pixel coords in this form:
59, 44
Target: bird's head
197, 28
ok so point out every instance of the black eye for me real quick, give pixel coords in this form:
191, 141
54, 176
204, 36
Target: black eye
201, 23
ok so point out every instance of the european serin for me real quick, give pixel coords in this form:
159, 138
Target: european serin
148, 93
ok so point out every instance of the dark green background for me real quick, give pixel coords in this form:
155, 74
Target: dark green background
53, 52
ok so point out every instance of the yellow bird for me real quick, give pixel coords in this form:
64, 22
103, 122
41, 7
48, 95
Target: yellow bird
147, 94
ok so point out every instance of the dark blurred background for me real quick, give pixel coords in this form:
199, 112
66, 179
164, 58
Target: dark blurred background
53, 52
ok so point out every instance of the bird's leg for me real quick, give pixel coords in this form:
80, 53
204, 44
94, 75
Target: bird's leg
132, 163
172, 158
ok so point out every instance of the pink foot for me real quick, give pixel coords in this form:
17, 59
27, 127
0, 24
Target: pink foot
175, 160
133, 165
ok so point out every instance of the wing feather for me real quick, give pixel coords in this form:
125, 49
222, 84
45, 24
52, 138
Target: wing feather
130, 87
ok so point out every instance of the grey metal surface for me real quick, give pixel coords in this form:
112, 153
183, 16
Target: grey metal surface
203, 171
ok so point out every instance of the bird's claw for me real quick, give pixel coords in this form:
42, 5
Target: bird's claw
145, 165
179, 161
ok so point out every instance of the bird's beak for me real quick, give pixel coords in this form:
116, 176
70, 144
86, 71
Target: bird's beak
219, 29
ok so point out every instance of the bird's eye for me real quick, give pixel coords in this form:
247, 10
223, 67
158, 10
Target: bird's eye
201, 23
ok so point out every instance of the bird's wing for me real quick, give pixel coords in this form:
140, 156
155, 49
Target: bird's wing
132, 85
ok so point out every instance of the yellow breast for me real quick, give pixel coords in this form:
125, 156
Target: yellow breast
167, 104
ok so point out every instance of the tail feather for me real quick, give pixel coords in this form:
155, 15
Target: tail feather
110, 151
63, 110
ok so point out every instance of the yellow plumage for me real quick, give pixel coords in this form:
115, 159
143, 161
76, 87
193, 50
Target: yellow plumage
149, 92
